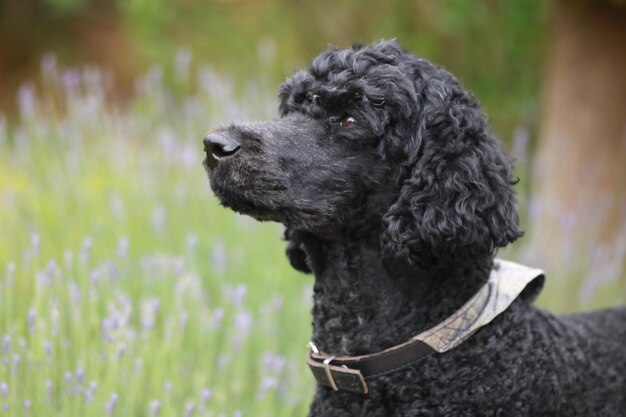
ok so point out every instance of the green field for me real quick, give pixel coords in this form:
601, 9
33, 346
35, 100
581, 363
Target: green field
125, 289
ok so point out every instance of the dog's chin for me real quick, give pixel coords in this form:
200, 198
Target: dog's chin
289, 216
240, 202
301, 218
261, 216
260, 207
237, 201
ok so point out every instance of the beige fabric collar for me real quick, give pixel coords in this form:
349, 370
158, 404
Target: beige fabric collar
506, 282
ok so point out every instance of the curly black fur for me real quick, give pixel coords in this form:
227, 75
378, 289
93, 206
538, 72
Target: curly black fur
396, 196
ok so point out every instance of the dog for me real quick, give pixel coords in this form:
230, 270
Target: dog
396, 196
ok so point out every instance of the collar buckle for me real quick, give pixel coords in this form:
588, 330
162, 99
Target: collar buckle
336, 376
329, 374
326, 363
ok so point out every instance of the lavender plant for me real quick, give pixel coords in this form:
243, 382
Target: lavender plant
125, 290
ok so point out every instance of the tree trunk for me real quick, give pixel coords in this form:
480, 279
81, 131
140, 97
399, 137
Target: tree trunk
577, 217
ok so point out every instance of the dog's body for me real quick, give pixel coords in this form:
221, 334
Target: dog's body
396, 196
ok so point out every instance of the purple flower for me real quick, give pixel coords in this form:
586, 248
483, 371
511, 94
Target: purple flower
94, 276
219, 258
189, 409
167, 386
110, 406
54, 321
218, 316
92, 77
71, 82
105, 329
16, 362
243, 320
8, 280
122, 247
35, 243
121, 350
272, 363
51, 268
268, 383
74, 292
47, 347
236, 294
48, 385
155, 408
138, 365
182, 63
205, 396
149, 311
184, 318
91, 391
159, 219
32, 320
6, 344
191, 242
26, 101
188, 155
80, 375
86, 250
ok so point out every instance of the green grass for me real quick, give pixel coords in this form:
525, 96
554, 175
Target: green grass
125, 289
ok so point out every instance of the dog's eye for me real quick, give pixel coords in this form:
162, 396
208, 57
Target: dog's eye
347, 121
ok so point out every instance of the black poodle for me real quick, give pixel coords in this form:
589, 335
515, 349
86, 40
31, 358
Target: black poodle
396, 196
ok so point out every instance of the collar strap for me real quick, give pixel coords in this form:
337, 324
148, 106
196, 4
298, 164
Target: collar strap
348, 373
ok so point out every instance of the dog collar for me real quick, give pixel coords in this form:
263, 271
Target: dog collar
506, 282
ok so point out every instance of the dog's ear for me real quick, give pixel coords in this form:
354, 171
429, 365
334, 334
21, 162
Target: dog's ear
296, 255
456, 198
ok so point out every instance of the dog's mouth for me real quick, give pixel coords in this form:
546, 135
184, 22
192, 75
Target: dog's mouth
303, 213
241, 198
282, 215
208, 164
242, 201
260, 216
254, 210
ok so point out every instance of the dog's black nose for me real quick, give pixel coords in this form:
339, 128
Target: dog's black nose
219, 146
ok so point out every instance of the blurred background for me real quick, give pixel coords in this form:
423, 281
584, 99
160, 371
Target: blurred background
126, 290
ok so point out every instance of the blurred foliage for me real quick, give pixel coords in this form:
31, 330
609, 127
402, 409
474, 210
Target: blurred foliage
493, 46
125, 289
66, 6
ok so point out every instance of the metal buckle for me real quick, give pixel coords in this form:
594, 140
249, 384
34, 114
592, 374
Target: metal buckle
327, 361
329, 374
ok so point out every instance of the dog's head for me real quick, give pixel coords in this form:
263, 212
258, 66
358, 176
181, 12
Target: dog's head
374, 139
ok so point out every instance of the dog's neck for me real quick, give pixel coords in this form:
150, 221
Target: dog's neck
362, 306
